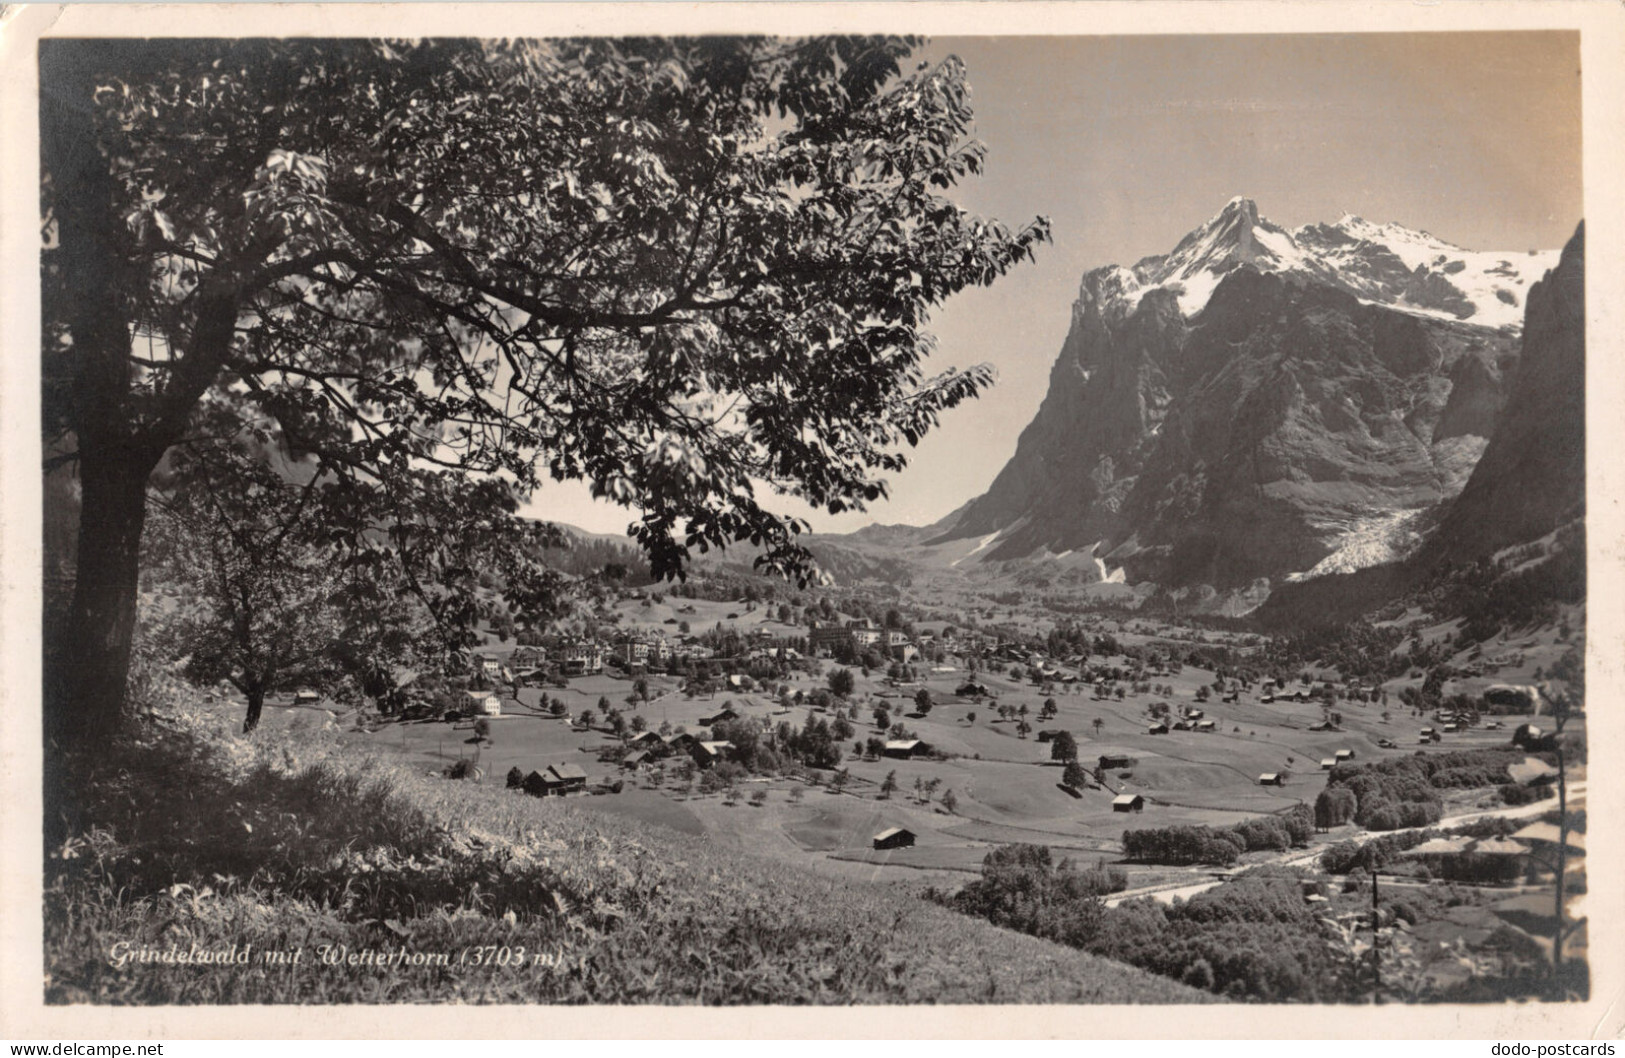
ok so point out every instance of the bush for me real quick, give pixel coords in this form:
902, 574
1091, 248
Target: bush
1515, 794
1334, 807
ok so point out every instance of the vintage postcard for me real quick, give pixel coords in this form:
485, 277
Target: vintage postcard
766, 514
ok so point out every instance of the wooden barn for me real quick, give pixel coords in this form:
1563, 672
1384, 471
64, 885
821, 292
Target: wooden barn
1128, 803
1270, 778
1116, 760
894, 838
906, 748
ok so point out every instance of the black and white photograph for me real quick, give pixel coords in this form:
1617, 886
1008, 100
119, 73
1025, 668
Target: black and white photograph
842, 511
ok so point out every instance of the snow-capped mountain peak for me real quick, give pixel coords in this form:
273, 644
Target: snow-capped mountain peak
1384, 264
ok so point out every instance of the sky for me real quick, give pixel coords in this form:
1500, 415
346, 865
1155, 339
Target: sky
1127, 143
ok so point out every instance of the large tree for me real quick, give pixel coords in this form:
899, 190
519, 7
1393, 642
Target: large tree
688, 271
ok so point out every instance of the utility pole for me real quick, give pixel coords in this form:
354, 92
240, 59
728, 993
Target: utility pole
1376, 943
1562, 857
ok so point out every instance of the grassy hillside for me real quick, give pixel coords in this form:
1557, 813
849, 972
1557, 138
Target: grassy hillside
191, 839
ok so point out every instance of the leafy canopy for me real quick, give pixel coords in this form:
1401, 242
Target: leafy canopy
684, 270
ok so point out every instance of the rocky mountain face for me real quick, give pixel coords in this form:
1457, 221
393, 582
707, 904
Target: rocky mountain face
1264, 404
1531, 478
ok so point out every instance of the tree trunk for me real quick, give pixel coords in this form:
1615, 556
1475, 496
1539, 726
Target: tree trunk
88, 656
93, 662
255, 693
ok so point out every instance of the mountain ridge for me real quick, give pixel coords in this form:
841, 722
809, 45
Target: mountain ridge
1261, 404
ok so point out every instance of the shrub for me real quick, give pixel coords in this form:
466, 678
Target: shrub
1514, 794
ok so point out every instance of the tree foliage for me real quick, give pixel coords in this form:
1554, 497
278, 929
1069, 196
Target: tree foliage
686, 271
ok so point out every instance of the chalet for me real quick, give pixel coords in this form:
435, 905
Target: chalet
1205, 725
906, 748
1194, 714
558, 780
862, 633
706, 754
1450, 729
1116, 760
727, 713
1344, 754
564, 779
1128, 803
1328, 764
1157, 729
1182, 725
484, 703
306, 697
647, 739
682, 742
528, 656
1427, 732
637, 758
1270, 778
894, 838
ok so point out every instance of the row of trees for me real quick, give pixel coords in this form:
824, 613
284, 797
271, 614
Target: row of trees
1219, 846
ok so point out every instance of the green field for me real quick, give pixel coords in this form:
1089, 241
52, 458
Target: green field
1006, 786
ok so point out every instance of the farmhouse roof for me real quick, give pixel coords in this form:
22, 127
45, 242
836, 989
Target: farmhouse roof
1269, 776
1438, 846
1530, 769
567, 771
890, 832
1125, 799
1501, 847
1549, 833
903, 743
